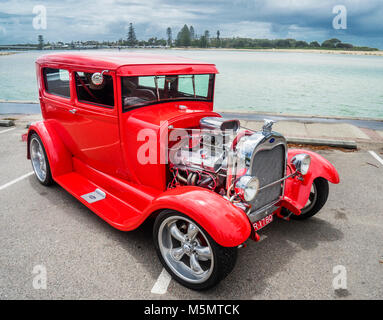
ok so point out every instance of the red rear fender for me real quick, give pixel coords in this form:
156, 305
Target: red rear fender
60, 160
226, 224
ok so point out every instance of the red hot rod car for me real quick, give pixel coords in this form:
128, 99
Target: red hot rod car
134, 136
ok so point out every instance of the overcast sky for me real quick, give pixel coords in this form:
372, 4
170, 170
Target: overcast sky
108, 19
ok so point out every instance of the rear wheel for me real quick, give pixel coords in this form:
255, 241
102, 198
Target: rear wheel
39, 159
317, 199
189, 254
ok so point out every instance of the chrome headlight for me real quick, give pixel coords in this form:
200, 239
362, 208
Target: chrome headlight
248, 187
301, 163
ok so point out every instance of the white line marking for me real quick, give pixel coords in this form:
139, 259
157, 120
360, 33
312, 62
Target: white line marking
263, 237
162, 283
3, 131
376, 157
16, 180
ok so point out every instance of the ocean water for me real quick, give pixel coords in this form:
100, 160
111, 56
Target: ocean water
277, 82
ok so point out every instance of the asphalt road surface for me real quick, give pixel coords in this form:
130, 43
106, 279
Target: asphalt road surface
44, 229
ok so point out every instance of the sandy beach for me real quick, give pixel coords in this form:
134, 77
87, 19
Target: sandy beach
6, 53
365, 53
322, 51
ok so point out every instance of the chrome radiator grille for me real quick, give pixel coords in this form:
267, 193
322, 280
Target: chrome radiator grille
268, 166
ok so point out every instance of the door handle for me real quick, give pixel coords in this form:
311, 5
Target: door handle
73, 111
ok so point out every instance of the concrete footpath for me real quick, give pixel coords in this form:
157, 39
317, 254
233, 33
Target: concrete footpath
318, 133
339, 132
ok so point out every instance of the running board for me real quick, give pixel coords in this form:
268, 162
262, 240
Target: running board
113, 210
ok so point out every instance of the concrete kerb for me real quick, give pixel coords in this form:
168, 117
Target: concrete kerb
345, 144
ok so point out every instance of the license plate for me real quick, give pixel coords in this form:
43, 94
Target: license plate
258, 225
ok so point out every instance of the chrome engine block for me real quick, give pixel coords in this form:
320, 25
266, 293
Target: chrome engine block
221, 152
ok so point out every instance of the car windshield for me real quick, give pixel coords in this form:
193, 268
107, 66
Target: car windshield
141, 91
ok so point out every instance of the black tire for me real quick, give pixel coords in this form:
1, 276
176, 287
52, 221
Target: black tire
47, 181
224, 257
322, 191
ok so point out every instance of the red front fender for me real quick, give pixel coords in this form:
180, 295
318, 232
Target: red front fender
225, 223
299, 191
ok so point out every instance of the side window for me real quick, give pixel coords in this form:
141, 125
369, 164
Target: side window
88, 92
57, 82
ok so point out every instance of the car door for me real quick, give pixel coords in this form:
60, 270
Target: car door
84, 116
56, 100
93, 125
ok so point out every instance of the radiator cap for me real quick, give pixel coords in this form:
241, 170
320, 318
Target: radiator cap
267, 126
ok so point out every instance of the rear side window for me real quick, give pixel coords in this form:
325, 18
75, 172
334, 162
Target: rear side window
88, 92
57, 82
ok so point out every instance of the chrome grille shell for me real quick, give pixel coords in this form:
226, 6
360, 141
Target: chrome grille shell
265, 157
268, 167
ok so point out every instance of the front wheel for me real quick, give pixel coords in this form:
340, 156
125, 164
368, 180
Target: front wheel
188, 252
317, 199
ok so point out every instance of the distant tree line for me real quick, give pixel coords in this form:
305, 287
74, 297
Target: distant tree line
187, 37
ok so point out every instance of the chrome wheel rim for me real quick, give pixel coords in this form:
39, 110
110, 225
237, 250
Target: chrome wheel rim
312, 199
39, 163
185, 249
